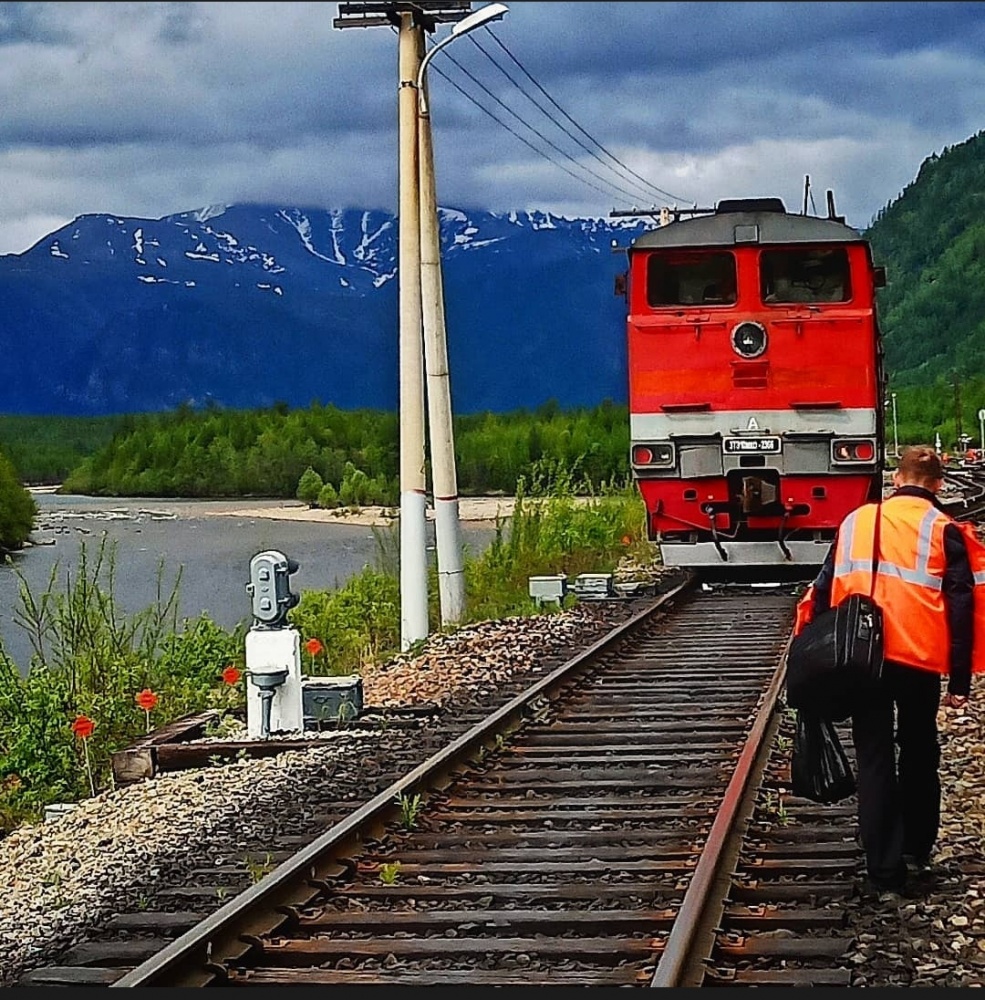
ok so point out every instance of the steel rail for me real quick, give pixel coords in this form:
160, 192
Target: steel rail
220, 936
971, 486
720, 848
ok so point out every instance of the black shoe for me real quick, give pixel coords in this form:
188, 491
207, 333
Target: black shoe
893, 895
877, 885
918, 863
893, 881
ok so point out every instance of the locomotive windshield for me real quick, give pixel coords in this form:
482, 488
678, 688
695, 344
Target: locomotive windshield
684, 279
791, 275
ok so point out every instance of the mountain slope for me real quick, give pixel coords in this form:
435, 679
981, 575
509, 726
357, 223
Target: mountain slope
932, 240
248, 305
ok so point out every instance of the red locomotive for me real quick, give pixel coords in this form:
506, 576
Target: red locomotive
755, 382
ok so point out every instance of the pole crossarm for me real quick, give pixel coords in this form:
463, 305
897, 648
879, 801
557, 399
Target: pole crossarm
374, 15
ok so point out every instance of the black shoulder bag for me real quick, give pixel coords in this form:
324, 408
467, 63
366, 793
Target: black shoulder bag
835, 665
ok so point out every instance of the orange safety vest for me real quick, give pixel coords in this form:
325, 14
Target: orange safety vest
910, 578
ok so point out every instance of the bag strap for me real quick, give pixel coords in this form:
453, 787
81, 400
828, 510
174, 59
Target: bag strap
875, 549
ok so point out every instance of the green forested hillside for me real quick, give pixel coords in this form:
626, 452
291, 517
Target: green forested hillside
218, 453
44, 450
932, 241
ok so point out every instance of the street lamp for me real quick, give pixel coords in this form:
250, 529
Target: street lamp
447, 528
492, 12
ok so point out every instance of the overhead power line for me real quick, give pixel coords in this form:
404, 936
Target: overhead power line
625, 170
513, 132
610, 186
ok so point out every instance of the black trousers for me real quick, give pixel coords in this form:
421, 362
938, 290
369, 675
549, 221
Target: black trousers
899, 794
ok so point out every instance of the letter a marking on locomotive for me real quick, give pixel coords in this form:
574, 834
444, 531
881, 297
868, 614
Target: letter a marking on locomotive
753, 424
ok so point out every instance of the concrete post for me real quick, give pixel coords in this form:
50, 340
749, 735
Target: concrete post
413, 501
448, 533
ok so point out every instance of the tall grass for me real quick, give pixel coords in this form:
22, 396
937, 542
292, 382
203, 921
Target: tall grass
89, 658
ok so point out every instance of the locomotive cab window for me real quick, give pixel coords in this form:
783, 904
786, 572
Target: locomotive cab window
690, 279
805, 275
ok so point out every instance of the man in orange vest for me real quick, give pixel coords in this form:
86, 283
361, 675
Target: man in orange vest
925, 587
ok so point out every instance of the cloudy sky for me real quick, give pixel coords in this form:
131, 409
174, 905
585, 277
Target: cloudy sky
147, 109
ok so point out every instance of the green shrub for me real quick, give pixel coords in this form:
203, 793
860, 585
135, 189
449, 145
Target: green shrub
359, 623
18, 511
328, 497
90, 659
309, 486
553, 534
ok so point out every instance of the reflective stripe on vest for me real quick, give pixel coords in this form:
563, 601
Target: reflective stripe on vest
920, 574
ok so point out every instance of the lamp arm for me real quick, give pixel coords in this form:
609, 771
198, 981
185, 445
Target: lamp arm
422, 104
493, 12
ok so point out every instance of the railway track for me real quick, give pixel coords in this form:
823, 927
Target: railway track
623, 821
966, 499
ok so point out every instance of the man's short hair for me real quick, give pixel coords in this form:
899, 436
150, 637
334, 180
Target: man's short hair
919, 463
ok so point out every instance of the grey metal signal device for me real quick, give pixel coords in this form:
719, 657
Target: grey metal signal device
273, 649
270, 588
279, 698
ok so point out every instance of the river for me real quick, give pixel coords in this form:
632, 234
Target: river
150, 539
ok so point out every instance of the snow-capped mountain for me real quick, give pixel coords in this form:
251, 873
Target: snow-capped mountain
248, 305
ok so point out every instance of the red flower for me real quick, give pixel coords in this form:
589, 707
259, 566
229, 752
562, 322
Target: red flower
231, 675
314, 646
627, 539
146, 699
83, 727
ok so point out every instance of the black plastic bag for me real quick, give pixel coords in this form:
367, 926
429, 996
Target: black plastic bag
819, 769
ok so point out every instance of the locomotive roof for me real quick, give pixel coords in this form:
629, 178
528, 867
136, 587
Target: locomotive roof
730, 228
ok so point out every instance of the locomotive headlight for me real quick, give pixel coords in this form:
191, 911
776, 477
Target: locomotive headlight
659, 455
853, 451
749, 339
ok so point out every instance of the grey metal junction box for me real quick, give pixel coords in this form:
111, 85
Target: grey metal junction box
547, 588
597, 586
331, 700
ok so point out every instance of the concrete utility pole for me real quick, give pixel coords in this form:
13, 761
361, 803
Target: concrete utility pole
413, 485
411, 20
447, 526
422, 317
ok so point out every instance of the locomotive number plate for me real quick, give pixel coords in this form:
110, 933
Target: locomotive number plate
751, 446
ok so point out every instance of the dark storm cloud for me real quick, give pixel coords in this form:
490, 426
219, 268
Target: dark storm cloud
26, 22
150, 108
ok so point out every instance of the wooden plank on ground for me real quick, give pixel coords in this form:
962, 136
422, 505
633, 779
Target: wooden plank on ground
140, 759
71, 975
